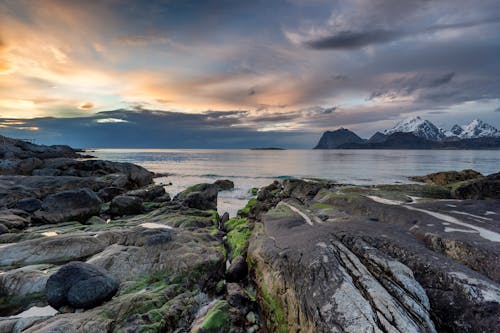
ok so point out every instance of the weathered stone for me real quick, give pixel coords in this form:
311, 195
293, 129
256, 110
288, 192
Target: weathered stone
108, 193
125, 205
29, 205
80, 285
447, 177
148, 193
238, 270
483, 188
70, 205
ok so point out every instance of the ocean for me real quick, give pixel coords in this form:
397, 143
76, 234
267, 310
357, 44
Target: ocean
257, 168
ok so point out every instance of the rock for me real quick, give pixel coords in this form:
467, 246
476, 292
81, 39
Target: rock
201, 196
3, 229
80, 285
236, 297
224, 184
125, 205
23, 281
95, 220
148, 193
13, 220
48, 250
29, 205
375, 262
108, 193
76, 205
447, 177
238, 270
223, 219
46, 172
217, 319
483, 188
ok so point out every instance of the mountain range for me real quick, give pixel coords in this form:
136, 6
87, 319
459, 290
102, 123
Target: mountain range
417, 133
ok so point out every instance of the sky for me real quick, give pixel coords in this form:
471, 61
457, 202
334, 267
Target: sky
239, 74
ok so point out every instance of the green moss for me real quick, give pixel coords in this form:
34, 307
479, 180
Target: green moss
254, 191
148, 205
12, 304
275, 312
217, 319
245, 212
321, 206
238, 236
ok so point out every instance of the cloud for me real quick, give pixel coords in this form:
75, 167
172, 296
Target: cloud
86, 106
497, 109
352, 40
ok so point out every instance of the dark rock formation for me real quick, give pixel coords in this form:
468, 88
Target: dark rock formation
482, 188
334, 139
125, 205
447, 177
29, 205
361, 259
148, 193
80, 285
238, 270
203, 196
72, 205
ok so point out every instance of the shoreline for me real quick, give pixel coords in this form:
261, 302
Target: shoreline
300, 255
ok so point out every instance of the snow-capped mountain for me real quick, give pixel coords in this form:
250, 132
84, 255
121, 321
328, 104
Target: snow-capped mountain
476, 129
419, 127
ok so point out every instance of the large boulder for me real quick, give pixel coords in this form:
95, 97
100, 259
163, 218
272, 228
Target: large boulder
29, 205
203, 196
73, 205
148, 193
125, 205
238, 270
483, 188
108, 193
447, 177
80, 285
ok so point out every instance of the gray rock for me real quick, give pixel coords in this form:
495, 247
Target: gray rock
46, 172
80, 285
73, 205
236, 297
224, 184
482, 188
238, 270
148, 193
125, 205
200, 196
108, 193
29, 205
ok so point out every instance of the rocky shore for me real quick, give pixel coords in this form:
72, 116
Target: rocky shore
97, 246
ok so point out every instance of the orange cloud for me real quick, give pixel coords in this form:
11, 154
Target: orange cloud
86, 106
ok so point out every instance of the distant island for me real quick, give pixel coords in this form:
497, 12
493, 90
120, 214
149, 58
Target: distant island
416, 133
268, 148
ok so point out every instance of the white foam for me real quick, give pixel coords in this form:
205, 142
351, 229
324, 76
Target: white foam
489, 212
49, 233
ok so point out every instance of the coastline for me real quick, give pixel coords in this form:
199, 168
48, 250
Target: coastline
301, 255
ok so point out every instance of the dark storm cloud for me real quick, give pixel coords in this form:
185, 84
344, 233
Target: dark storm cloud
408, 84
154, 129
352, 40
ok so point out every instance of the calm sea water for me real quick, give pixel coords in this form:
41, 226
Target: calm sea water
256, 168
